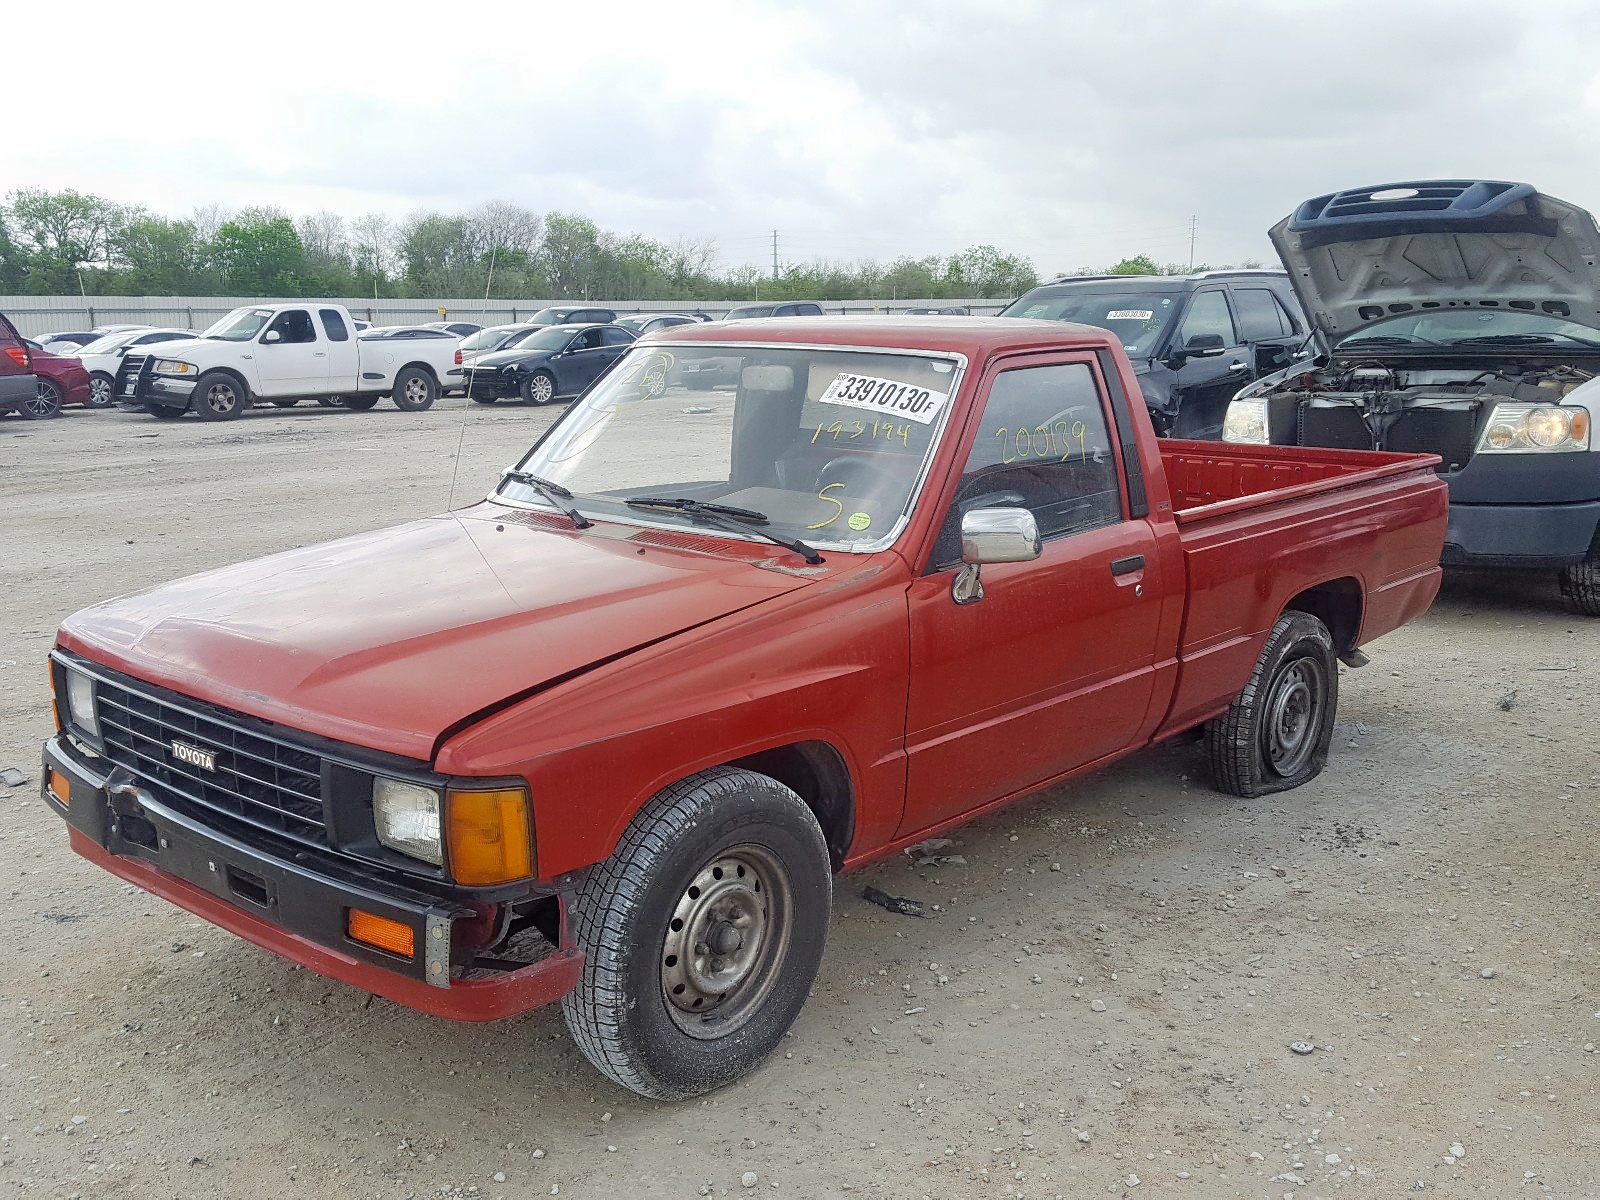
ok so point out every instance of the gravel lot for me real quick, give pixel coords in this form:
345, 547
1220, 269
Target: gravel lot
1103, 1003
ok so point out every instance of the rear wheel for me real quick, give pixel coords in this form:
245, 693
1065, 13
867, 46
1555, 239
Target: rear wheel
218, 397
101, 392
702, 934
360, 403
46, 403
1275, 734
1580, 585
539, 388
414, 390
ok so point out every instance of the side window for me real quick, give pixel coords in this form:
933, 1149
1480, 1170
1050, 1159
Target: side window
1042, 444
587, 340
1208, 314
333, 322
1260, 317
1290, 321
294, 325
806, 310
614, 336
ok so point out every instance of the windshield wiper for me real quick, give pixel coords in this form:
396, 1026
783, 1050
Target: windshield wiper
553, 492
1386, 340
741, 520
1505, 339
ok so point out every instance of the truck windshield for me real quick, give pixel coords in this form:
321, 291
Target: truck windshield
240, 325
1137, 318
828, 444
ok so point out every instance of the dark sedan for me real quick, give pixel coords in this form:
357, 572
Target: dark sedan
557, 362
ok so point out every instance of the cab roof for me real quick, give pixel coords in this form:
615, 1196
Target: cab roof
975, 337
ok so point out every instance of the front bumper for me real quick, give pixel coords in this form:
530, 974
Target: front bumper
286, 904
492, 384
1520, 535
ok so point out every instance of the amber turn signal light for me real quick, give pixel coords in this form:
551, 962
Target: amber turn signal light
59, 787
490, 835
383, 932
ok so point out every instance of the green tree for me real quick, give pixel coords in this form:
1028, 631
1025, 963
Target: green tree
1140, 264
438, 258
259, 255
158, 257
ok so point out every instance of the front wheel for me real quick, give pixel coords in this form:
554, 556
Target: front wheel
1580, 586
539, 388
218, 397
702, 935
1275, 734
101, 388
45, 403
414, 390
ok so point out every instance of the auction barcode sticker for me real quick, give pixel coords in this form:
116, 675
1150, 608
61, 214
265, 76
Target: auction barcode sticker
1130, 314
887, 397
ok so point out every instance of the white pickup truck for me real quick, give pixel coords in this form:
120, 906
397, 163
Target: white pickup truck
282, 354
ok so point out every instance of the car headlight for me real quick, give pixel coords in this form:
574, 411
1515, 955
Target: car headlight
173, 366
1534, 429
80, 703
1246, 422
408, 819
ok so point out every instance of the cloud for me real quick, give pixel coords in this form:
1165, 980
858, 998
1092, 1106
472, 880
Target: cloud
1074, 132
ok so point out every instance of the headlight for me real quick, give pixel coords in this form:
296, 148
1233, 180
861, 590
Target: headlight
1534, 429
80, 703
172, 366
407, 817
1246, 422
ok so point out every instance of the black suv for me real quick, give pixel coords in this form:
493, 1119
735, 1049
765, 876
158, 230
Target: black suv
572, 316
787, 308
1194, 340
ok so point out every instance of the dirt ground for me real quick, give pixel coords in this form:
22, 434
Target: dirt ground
1423, 914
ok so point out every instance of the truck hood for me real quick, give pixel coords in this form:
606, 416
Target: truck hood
1359, 256
389, 639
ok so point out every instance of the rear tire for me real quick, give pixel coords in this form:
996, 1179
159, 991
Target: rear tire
414, 390
360, 403
45, 404
1580, 586
1275, 735
101, 390
218, 397
539, 388
702, 935
165, 412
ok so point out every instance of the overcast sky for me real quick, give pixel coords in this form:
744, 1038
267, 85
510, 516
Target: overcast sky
1075, 133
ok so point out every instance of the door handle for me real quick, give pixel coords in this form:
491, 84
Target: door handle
1127, 566
1238, 366
319, 354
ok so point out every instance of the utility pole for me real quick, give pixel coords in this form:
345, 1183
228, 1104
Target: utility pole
774, 253
1193, 222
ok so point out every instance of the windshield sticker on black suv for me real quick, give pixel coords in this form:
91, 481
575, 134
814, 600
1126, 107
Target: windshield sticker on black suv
887, 396
1130, 314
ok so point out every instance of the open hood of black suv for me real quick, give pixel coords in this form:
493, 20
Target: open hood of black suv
1364, 255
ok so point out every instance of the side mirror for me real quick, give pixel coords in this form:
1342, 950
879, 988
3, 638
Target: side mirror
1203, 345
993, 535
272, 335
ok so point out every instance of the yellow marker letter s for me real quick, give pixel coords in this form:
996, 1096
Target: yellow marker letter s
838, 507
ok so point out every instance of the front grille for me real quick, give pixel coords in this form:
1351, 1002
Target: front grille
132, 364
261, 780
1339, 427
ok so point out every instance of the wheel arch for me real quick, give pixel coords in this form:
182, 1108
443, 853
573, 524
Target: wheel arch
247, 397
819, 775
421, 366
1338, 604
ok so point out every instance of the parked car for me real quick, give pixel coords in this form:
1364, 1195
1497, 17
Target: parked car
19, 386
572, 316
640, 324
460, 329
282, 354
486, 341
103, 357
548, 365
1195, 340
608, 735
1461, 318
787, 308
948, 310
63, 383
66, 343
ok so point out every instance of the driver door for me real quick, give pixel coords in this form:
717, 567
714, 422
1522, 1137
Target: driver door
1054, 666
1207, 384
583, 360
296, 362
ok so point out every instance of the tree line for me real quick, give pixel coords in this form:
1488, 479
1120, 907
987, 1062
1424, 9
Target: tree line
71, 243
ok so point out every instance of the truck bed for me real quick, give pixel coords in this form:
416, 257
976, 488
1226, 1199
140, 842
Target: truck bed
1214, 479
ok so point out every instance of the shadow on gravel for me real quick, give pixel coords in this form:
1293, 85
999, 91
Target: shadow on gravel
1492, 592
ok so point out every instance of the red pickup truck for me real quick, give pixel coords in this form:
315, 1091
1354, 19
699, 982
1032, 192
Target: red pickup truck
608, 735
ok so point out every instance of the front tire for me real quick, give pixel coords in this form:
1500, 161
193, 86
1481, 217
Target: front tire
414, 390
702, 935
101, 390
1275, 735
539, 388
218, 397
1580, 586
46, 403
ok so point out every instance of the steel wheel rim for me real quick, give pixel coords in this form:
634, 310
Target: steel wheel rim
416, 390
220, 398
725, 941
1294, 715
99, 392
540, 389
